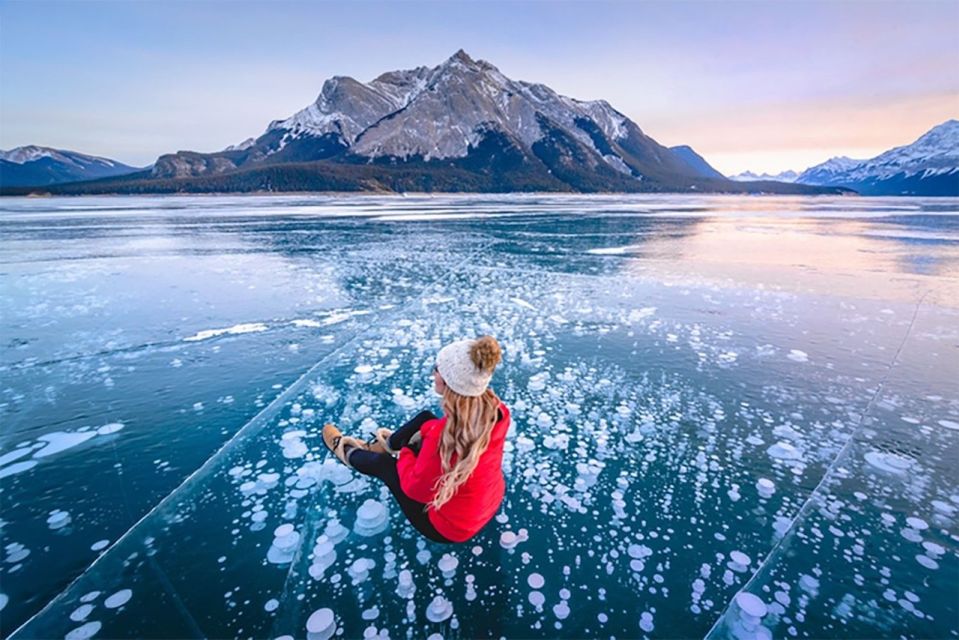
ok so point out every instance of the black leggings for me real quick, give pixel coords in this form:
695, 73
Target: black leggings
383, 466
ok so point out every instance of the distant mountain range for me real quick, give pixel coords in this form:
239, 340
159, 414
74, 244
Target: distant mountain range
929, 166
35, 166
749, 176
459, 126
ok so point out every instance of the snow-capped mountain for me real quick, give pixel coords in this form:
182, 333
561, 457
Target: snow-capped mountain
748, 176
463, 110
34, 166
459, 126
828, 171
928, 166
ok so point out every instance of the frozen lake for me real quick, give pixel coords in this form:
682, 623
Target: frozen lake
733, 416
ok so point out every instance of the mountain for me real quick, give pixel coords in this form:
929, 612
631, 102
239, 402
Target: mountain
696, 162
36, 166
929, 166
828, 171
747, 176
459, 126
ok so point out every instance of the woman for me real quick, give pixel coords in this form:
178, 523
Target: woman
448, 478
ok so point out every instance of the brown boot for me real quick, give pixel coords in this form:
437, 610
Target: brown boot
339, 444
381, 442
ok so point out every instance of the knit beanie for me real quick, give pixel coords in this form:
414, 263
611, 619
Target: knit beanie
467, 365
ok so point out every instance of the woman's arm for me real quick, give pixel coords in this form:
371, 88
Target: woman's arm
401, 437
419, 472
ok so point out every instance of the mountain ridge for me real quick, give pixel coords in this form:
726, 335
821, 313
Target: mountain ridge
459, 126
927, 166
34, 165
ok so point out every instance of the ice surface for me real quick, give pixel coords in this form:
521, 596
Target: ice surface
696, 417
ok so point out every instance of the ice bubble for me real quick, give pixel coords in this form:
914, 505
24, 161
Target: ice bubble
58, 441
285, 541
766, 486
927, 562
58, 519
888, 462
405, 586
324, 555
363, 369
561, 610
933, 549
439, 609
798, 355
508, 540
118, 599
639, 551
371, 518
80, 613
3, 601
321, 624
100, 544
271, 605
335, 531
751, 604
538, 381
536, 598
783, 451
740, 558
535, 581
917, 523
646, 622
107, 429
809, 584
90, 597
911, 534
949, 424
371, 614
943, 507
360, 569
17, 467
448, 564
84, 632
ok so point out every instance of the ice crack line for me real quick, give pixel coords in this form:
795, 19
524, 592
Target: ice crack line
826, 476
252, 426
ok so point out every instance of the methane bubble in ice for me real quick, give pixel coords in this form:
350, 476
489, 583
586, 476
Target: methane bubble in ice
88, 630
888, 462
118, 599
285, 542
371, 518
448, 564
405, 588
321, 624
439, 609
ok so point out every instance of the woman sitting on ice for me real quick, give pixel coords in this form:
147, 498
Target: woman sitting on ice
447, 478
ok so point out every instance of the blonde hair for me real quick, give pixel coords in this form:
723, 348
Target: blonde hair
469, 425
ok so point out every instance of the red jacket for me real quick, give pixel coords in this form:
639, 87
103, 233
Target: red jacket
475, 501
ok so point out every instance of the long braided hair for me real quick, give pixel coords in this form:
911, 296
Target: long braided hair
469, 425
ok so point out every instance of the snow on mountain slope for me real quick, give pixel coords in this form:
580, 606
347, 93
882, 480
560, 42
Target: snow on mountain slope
928, 166
34, 165
748, 176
